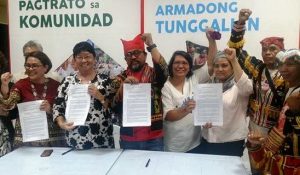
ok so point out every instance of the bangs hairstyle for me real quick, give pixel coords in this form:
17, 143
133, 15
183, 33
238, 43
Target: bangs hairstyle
44, 59
186, 56
83, 47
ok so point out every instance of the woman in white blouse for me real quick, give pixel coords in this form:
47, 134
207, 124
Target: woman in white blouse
228, 139
180, 134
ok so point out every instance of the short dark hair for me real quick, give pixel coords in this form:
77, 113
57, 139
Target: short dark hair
44, 59
83, 46
187, 57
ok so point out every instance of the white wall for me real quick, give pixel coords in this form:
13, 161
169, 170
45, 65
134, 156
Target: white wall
276, 18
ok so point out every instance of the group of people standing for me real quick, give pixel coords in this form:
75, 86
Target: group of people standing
274, 105
268, 91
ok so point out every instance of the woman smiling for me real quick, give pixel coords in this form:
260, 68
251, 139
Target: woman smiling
177, 96
35, 87
229, 138
98, 128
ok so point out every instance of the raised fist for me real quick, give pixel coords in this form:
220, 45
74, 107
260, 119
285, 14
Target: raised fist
244, 15
230, 53
147, 38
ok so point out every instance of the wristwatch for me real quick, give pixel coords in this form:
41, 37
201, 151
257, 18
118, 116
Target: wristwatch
149, 48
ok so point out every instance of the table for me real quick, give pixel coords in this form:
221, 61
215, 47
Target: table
27, 161
133, 162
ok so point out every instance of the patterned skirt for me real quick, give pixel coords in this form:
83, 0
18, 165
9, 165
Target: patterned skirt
5, 146
56, 136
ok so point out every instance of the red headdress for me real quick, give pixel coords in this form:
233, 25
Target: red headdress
278, 41
136, 44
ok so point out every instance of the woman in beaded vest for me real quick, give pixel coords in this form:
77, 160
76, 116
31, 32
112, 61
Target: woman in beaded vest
35, 87
278, 153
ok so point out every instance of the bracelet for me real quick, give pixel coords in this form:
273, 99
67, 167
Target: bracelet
149, 48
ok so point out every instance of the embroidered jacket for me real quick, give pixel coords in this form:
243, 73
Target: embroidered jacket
280, 153
264, 106
157, 76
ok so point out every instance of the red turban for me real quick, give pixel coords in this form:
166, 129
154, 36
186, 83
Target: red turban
278, 41
136, 44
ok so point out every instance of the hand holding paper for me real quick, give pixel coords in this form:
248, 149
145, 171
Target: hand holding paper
78, 104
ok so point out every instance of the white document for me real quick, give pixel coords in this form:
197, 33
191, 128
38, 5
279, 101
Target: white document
137, 104
78, 104
209, 104
33, 121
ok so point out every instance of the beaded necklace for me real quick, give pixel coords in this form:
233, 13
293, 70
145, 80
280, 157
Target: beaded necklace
35, 94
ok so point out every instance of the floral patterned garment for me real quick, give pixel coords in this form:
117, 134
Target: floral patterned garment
98, 128
5, 146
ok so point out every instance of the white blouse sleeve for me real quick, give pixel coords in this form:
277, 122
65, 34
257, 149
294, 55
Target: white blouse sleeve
245, 85
167, 100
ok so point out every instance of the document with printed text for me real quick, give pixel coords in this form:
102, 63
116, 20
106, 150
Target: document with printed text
137, 104
33, 121
209, 104
78, 104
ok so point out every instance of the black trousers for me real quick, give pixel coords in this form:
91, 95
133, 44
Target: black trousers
235, 148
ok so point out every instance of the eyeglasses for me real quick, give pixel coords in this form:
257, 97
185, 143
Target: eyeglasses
86, 57
135, 53
32, 66
177, 63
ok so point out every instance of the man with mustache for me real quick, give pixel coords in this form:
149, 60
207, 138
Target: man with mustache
138, 71
268, 85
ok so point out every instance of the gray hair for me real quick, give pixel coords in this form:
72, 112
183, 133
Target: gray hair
32, 43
